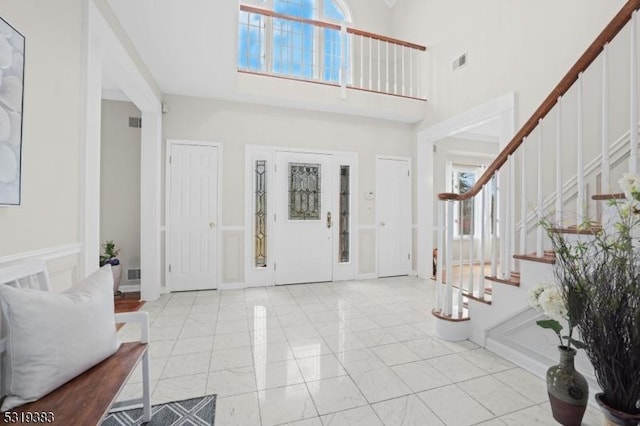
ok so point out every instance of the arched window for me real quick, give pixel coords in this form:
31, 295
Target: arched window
284, 44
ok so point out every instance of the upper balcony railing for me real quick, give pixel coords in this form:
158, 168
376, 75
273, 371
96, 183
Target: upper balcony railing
279, 45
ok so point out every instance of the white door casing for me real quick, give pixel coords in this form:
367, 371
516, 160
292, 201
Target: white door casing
193, 193
393, 215
304, 246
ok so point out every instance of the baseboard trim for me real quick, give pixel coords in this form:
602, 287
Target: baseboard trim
369, 276
535, 367
48, 254
130, 288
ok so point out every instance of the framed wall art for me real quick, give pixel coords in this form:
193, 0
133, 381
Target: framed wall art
11, 101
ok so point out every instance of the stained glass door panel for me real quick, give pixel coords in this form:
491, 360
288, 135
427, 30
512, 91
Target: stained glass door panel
303, 225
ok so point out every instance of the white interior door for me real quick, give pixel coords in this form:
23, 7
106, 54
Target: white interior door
393, 212
303, 218
192, 217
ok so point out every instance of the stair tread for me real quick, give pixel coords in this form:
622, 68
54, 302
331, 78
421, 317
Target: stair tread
592, 229
533, 257
514, 281
454, 317
605, 197
486, 299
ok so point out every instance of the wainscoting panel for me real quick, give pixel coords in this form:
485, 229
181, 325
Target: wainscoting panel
62, 263
368, 252
232, 256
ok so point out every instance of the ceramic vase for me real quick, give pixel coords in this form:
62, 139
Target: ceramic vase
568, 390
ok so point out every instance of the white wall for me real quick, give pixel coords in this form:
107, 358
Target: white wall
120, 183
49, 214
236, 125
518, 46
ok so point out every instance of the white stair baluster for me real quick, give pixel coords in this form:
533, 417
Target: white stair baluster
471, 244
483, 235
379, 66
361, 62
442, 209
540, 209
395, 68
493, 197
402, 50
512, 215
448, 296
386, 60
411, 72
523, 197
370, 63
606, 156
460, 227
580, 158
559, 165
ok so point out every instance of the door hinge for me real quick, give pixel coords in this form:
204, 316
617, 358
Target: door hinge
274, 217
170, 158
169, 268
409, 173
409, 256
274, 266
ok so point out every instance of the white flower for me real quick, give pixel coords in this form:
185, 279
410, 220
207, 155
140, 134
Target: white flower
630, 185
552, 303
548, 300
534, 295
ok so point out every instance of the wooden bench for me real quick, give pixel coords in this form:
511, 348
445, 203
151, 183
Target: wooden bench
87, 399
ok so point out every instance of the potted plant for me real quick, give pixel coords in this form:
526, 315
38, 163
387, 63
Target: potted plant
599, 281
109, 256
568, 389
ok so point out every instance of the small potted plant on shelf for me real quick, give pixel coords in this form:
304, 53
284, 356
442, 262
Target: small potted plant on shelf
109, 256
599, 281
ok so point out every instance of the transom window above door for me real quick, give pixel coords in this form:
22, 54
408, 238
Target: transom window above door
293, 40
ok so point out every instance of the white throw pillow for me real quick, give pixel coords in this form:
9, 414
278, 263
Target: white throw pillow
54, 337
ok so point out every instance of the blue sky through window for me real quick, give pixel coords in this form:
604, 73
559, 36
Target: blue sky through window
297, 49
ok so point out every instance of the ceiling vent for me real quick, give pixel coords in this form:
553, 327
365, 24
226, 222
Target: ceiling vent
460, 61
135, 122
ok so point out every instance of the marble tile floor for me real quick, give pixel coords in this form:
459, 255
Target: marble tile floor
350, 353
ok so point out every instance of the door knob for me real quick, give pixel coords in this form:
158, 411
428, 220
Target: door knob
212, 225
382, 224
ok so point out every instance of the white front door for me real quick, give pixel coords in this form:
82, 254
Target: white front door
192, 217
393, 211
303, 218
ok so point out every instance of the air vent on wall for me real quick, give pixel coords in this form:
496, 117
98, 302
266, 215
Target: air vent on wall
460, 61
135, 122
133, 274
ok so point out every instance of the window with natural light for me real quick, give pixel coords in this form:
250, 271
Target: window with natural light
292, 42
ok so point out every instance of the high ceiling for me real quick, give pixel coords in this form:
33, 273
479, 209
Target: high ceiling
189, 46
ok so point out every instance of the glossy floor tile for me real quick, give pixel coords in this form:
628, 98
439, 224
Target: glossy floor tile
331, 354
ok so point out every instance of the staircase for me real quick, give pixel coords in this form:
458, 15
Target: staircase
563, 164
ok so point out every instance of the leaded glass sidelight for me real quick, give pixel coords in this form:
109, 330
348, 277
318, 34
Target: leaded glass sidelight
343, 230
261, 214
304, 191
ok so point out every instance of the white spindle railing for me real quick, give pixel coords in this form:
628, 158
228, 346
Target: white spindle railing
539, 235
271, 43
502, 199
580, 199
559, 164
606, 155
523, 196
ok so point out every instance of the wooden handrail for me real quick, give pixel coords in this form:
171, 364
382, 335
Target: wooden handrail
611, 30
271, 13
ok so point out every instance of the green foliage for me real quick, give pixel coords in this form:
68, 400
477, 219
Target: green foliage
551, 324
109, 251
599, 278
